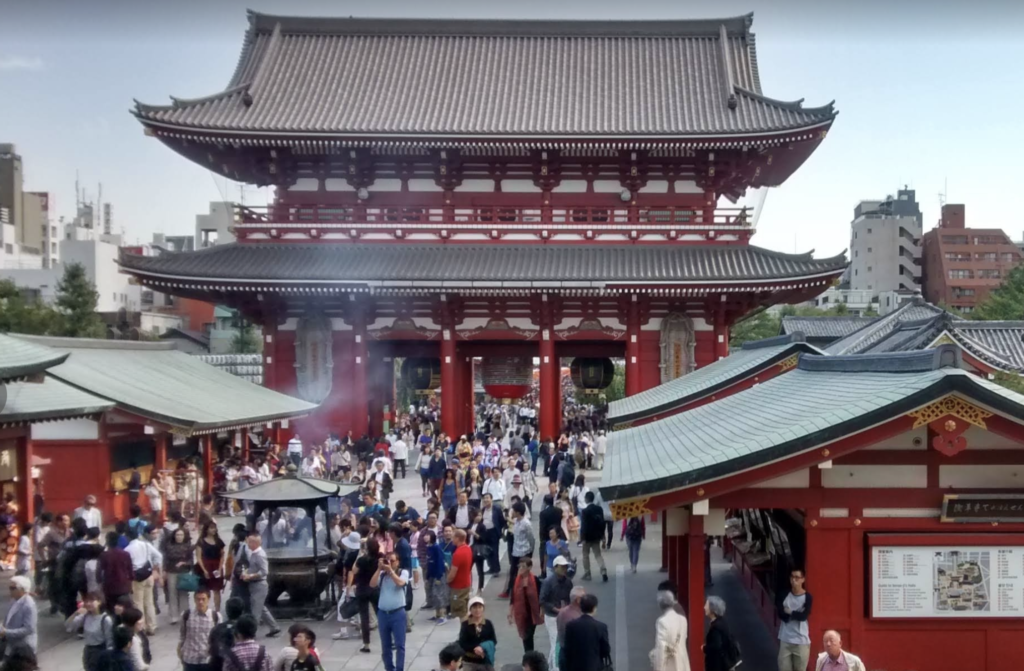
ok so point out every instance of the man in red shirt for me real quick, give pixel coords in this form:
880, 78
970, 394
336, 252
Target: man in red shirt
460, 575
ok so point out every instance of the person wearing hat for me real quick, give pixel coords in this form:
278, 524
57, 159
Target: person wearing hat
477, 638
516, 488
554, 596
21, 624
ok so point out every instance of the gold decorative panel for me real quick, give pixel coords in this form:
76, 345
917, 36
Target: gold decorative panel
789, 362
630, 508
950, 405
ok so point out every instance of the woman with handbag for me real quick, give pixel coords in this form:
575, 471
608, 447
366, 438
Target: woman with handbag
477, 639
209, 557
721, 652
181, 580
361, 595
481, 549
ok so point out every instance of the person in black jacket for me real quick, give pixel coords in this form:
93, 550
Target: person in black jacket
592, 533
550, 517
721, 653
586, 645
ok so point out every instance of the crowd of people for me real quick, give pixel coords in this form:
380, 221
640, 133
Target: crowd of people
482, 492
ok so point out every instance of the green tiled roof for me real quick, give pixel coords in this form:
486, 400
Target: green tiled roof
47, 400
155, 381
740, 364
786, 415
20, 359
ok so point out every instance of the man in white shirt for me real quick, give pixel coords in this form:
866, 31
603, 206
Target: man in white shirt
90, 513
600, 448
143, 553
295, 450
400, 453
494, 486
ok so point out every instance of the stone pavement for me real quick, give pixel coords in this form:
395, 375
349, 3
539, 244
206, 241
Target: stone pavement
626, 604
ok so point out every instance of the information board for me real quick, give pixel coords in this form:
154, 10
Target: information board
972, 581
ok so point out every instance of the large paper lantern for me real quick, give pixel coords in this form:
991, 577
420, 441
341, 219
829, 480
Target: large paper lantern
507, 377
592, 374
422, 375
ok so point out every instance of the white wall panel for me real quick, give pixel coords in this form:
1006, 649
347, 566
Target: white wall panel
794, 480
875, 477
981, 477
67, 429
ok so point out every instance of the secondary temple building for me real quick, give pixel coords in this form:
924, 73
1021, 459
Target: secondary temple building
504, 190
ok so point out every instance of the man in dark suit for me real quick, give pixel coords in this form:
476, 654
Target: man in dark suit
586, 640
494, 524
550, 517
461, 515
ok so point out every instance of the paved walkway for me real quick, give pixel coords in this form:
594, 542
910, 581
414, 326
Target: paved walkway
626, 604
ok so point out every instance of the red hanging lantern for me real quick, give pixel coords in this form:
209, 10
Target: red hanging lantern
507, 377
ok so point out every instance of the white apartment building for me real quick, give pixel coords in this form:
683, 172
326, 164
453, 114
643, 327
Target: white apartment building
885, 245
214, 228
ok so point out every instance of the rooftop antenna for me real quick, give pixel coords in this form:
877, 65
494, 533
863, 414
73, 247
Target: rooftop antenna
944, 192
78, 194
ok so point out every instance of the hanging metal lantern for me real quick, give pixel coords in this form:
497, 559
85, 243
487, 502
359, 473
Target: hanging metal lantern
592, 374
422, 375
507, 377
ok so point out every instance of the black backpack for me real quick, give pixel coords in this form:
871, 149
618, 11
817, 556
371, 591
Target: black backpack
634, 529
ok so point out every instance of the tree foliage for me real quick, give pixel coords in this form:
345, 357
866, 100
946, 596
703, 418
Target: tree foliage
1010, 381
76, 303
613, 392
764, 324
18, 315
245, 340
1005, 302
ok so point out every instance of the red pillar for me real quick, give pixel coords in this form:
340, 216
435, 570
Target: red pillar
695, 591
269, 354
360, 410
25, 490
208, 463
664, 540
160, 465
550, 401
466, 385
449, 384
633, 385
721, 335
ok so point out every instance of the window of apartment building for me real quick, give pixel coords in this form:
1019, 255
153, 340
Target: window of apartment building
869, 231
8, 248
856, 254
989, 274
987, 240
964, 308
962, 292
869, 269
1009, 257
869, 250
986, 256
961, 275
954, 239
958, 256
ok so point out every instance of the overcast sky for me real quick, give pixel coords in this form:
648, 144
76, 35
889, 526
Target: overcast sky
929, 95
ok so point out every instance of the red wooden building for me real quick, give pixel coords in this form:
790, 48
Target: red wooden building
500, 189
896, 480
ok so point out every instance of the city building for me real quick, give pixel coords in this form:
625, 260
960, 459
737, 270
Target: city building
615, 208
215, 227
28, 212
885, 245
962, 265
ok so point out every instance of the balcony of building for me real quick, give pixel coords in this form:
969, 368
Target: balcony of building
545, 223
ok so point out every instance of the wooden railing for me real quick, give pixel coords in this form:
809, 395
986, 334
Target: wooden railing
331, 216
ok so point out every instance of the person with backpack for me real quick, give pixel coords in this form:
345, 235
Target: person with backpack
194, 638
118, 658
140, 652
246, 654
634, 531
592, 533
222, 636
721, 652
96, 628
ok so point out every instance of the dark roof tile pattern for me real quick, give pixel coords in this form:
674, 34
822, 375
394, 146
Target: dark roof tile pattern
867, 336
347, 262
817, 328
20, 359
355, 76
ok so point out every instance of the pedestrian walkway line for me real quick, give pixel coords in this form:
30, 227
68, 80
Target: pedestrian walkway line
621, 639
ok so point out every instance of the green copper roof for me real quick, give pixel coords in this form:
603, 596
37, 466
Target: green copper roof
783, 416
155, 381
739, 365
20, 359
46, 401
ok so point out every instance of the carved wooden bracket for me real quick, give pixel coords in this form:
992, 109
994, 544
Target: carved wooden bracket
949, 418
631, 508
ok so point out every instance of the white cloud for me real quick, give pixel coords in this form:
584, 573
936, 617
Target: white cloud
20, 63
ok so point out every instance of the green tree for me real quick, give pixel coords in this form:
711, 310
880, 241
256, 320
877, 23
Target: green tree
245, 340
1010, 381
18, 315
757, 326
1006, 302
613, 392
76, 305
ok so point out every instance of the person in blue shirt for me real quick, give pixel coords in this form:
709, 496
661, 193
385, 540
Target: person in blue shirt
435, 585
555, 547
533, 449
390, 578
